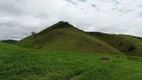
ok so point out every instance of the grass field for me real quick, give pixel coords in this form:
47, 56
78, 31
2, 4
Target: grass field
18, 63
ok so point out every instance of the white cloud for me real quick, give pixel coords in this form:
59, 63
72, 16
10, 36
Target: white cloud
18, 18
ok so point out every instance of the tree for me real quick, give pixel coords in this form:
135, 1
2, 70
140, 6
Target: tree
33, 33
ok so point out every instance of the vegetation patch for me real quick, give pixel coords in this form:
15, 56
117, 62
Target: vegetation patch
129, 45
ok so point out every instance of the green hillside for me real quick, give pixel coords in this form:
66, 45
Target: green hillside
127, 44
24, 64
64, 37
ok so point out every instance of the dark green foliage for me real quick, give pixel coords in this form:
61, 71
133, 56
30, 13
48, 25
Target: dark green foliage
9, 41
33, 33
134, 58
131, 48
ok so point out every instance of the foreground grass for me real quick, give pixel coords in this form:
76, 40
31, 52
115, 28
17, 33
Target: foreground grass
22, 64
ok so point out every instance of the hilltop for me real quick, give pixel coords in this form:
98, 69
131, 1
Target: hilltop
63, 36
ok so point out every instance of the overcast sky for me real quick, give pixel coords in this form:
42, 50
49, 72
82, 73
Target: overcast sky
18, 18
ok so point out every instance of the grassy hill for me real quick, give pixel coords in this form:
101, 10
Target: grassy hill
127, 44
64, 37
18, 63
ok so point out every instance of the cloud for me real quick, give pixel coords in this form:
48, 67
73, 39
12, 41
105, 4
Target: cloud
18, 18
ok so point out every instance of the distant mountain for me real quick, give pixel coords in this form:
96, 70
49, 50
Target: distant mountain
63, 36
9, 41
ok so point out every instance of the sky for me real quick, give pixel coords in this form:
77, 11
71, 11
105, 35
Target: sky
18, 18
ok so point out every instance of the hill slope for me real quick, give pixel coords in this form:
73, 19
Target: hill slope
64, 37
127, 44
